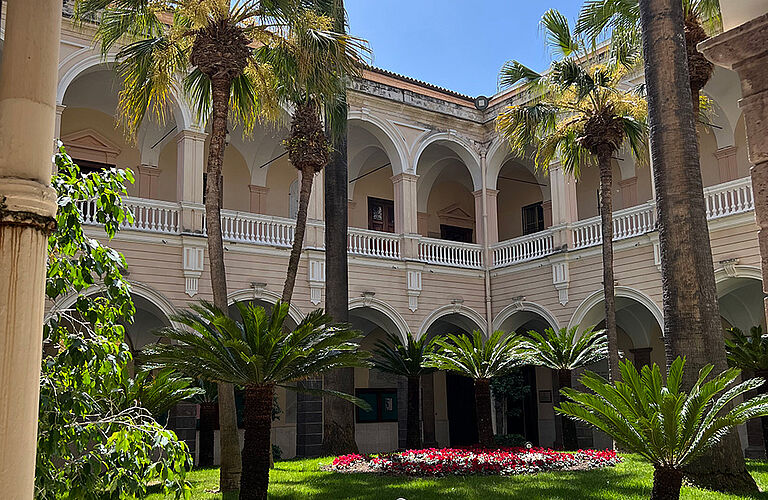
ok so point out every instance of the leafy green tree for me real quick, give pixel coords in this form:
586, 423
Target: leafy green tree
664, 424
210, 43
94, 442
583, 115
750, 353
565, 350
258, 354
481, 360
406, 359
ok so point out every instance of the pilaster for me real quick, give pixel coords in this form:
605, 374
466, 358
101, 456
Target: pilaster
258, 201
413, 272
148, 181
628, 188
316, 270
726, 163
190, 162
406, 218
493, 217
564, 205
193, 262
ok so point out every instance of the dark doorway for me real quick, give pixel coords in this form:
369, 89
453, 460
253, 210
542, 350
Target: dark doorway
456, 233
462, 419
524, 419
381, 215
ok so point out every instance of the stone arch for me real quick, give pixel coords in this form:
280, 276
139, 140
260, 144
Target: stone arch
460, 146
386, 135
474, 319
585, 313
525, 307
389, 312
83, 60
268, 296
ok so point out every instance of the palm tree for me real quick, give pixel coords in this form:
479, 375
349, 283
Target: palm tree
664, 424
584, 117
406, 359
311, 74
750, 353
161, 391
259, 355
622, 20
481, 360
692, 325
564, 351
209, 41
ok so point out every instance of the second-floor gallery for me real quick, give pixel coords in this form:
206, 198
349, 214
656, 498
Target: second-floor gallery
427, 170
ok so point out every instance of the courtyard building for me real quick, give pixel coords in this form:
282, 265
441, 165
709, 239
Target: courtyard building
423, 162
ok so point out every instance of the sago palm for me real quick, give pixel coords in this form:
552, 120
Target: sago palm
620, 20
161, 391
258, 354
665, 425
481, 360
406, 359
750, 353
583, 115
565, 350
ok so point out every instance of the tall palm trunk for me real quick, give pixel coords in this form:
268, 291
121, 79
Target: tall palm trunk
692, 326
338, 415
666, 484
570, 438
256, 450
413, 432
699, 67
483, 409
606, 227
229, 475
208, 423
307, 176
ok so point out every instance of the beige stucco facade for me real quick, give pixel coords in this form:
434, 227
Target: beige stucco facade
420, 148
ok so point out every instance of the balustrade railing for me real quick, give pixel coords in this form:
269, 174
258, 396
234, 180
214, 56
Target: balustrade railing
164, 217
373, 243
148, 215
450, 253
729, 198
524, 248
627, 223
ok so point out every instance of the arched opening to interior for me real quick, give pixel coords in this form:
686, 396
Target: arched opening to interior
446, 194
370, 190
523, 200
741, 303
454, 400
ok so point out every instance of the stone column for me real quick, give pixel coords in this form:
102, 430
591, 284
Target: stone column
546, 206
564, 206
190, 165
258, 198
744, 49
148, 181
406, 218
59, 111
28, 77
493, 217
726, 163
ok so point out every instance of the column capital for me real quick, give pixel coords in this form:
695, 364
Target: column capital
254, 189
147, 169
192, 135
738, 47
491, 192
725, 152
404, 176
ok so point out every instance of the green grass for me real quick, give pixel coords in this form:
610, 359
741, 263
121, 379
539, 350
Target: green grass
302, 479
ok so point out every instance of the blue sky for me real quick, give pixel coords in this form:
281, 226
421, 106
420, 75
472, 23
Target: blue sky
457, 44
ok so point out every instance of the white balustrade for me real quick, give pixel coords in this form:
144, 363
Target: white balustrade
729, 198
148, 215
627, 223
373, 243
524, 248
258, 229
450, 253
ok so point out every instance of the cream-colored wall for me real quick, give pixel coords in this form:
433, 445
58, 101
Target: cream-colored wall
237, 177
644, 183
166, 181
587, 187
444, 194
710, 173
280, 176
375, 185
77, 119
512, 197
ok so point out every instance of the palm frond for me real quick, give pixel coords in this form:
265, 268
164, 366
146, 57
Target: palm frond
475, 357
558, 33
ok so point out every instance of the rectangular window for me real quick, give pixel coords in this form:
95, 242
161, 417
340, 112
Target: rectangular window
381, 215
87, 167
455, 233
533, 218
383, 405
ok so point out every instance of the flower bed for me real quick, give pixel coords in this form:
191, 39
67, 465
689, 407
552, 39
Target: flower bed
461, 461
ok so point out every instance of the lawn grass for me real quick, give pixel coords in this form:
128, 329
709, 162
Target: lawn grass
302, 479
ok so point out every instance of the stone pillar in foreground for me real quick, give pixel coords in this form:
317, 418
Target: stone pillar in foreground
744, 49
27, 207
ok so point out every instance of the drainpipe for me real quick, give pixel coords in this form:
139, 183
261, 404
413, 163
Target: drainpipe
486, 247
